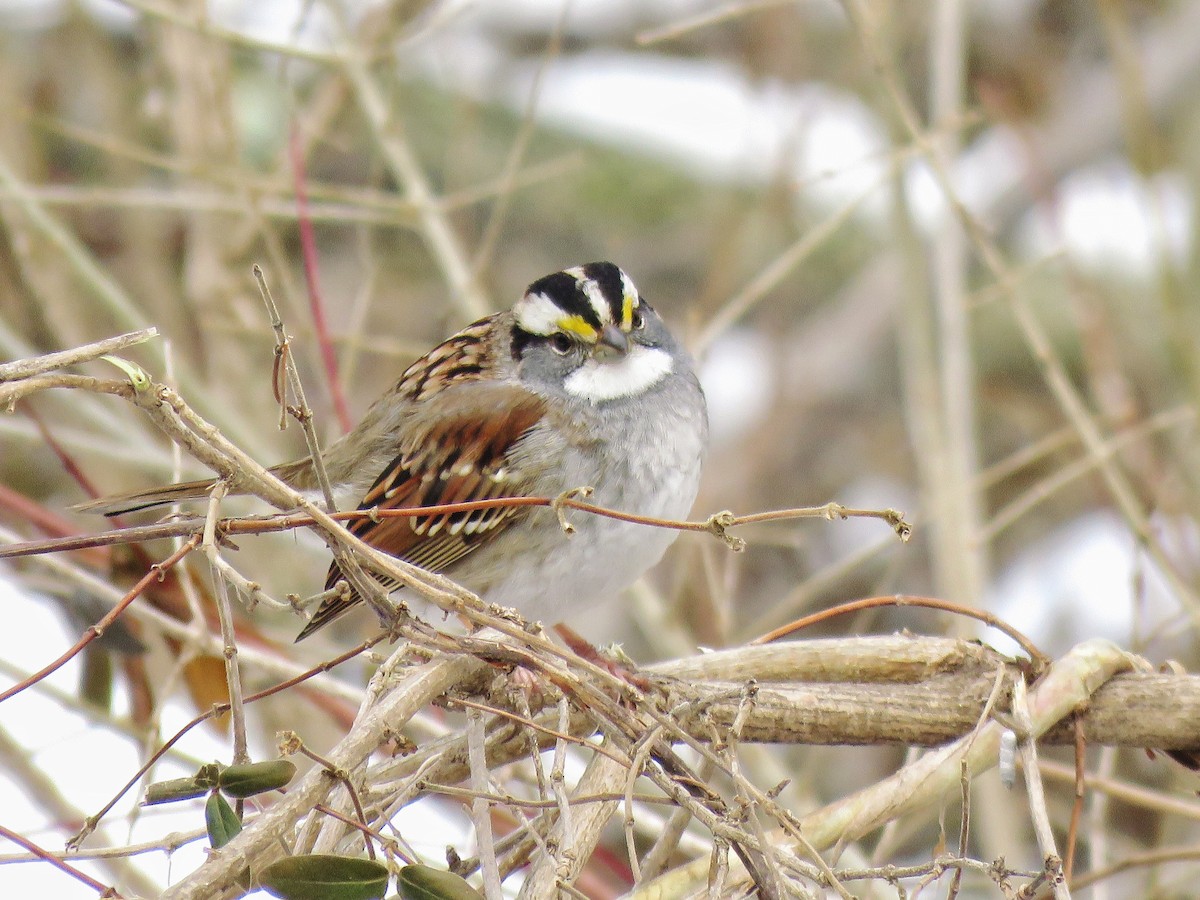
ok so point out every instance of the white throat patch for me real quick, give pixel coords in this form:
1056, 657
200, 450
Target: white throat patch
639, 371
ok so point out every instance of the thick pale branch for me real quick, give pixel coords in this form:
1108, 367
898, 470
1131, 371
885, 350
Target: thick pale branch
889, 689
1070, 684
894, 659
1131, 710
905, 689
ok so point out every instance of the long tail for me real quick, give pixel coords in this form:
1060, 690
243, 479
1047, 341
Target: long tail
138, 500
298, 474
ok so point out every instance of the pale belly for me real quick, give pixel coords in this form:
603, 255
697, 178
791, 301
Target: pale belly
655, 471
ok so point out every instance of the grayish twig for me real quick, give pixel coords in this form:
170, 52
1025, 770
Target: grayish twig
25, 368
1037, 793
302, 412
233, 675
480, 807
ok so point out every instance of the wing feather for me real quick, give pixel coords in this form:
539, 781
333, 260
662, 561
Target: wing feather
457, 451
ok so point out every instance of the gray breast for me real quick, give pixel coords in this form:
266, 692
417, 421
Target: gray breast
643, 457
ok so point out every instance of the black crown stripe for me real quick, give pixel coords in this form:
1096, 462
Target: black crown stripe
608, 277
567, 295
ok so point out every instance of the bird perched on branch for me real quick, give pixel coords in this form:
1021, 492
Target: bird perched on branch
580, 383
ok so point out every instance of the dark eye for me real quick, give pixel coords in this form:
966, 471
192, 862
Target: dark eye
561, 344
637, 320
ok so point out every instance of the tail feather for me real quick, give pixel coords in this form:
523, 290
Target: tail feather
119, 504
298, 474
328, 611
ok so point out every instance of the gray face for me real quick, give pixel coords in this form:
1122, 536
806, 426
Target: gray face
568, 366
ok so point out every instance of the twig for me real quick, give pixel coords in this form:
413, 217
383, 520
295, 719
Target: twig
205, 26
667, 841
1046, 487
233, 675
492, 796
302, 411
718, 868
166, 843
63, 865
217, 710
1068, 683
529, 723
964, 830
252, 590
77, 258
12, 391
563, 830
1155, 857
390, 709
390, 845
641, 755
768, 859
343, 205
1077, 805
961, 558
1037, 795
1099, 842
37, 365
1040, 658
480, 809
96, 630
290, 740
286, 521
1037, 339
268, 663
65, 459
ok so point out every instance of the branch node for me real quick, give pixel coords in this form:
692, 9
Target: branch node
834, 510
895, 518
559, 503
718, 524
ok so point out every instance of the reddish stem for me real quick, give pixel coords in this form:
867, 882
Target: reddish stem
959, 609
308, 249
39, 852
156, 573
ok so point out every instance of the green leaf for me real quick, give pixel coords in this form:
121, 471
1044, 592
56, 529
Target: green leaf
174, 789
221, 821
249, 779
321, 876
136, 374
426, 883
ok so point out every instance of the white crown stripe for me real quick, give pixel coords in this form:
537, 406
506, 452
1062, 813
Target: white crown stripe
598, 301
630, 288
542, 313
539, 314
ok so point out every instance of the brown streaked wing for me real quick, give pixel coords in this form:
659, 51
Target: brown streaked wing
469, 445
465, 356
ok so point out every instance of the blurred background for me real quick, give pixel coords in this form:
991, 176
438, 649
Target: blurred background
940, 257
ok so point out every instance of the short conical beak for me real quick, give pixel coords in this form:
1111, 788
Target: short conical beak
612, 344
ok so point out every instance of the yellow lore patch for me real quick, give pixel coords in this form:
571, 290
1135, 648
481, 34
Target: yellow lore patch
578, 326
